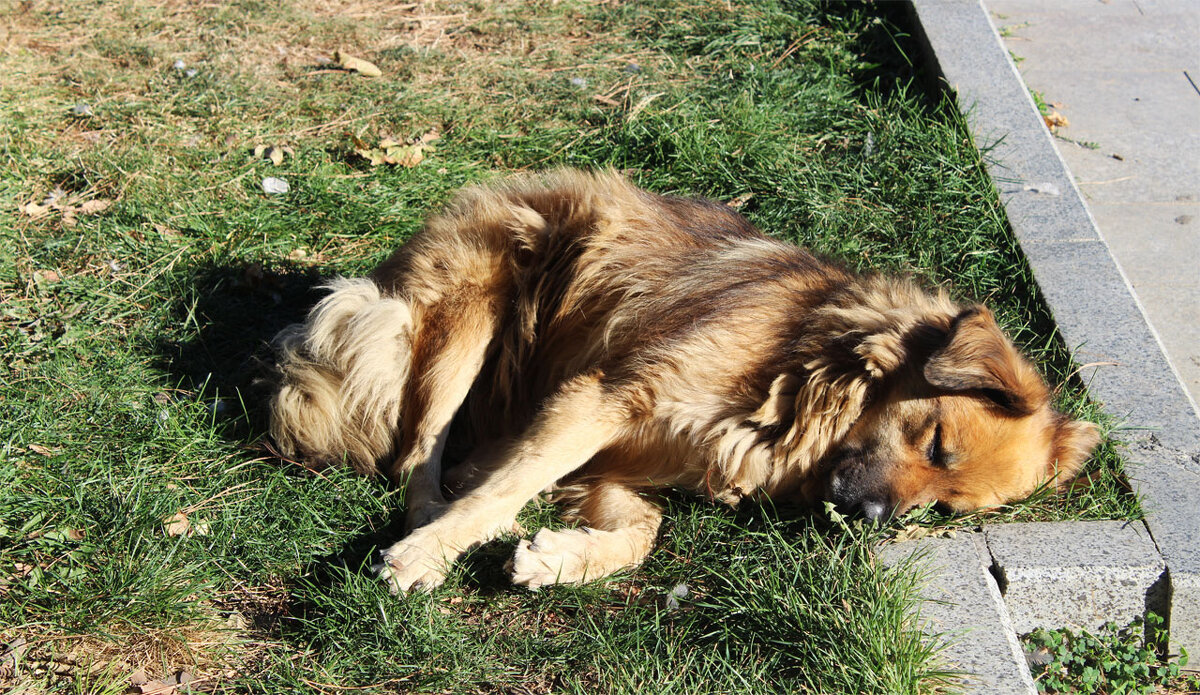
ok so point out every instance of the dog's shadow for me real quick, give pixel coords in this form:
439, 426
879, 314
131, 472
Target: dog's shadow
228, 314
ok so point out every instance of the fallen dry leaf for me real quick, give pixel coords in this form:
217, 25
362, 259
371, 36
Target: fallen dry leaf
1055, 119
274, 153
157, 688
346, 61
180, 525
34, 210
93, 207
914, 532
739, 201
39, 449
63, 203
11, 656
166, 686
395, 152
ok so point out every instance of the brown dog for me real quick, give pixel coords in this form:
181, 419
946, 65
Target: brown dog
605, 342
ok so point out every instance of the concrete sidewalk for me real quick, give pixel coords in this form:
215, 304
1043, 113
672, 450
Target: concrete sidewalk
1126, 74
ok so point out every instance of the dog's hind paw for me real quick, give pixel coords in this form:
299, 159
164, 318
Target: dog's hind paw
408, 567
553, 557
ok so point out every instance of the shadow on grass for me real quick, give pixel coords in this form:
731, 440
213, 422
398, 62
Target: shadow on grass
230, 313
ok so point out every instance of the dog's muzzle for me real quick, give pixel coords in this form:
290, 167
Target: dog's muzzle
856, 490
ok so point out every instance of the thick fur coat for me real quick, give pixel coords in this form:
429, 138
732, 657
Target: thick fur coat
603, 342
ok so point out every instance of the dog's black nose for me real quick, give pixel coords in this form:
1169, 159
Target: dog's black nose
875, 511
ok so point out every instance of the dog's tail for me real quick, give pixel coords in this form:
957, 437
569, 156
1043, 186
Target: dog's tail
342, 377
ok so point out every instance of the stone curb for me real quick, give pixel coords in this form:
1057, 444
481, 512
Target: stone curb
1078, 574
981, 590
963, 605
1099, 317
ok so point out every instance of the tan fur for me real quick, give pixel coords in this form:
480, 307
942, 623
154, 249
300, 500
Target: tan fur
606, 342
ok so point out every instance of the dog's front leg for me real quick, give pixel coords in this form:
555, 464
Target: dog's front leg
581, 419
449, 350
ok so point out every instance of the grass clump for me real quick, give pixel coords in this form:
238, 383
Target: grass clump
142, 268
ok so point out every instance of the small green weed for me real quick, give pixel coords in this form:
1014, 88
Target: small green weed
1117, 661
1039, 100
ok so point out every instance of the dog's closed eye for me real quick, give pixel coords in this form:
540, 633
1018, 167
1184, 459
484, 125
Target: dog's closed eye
934, 452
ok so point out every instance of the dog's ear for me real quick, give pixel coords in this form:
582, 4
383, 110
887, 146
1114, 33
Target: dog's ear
1073, 443
780, 404
978, 357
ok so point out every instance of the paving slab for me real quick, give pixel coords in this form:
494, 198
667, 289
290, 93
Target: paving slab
1099, 34
1078, 575
1126, 78
963, 602
1149, 120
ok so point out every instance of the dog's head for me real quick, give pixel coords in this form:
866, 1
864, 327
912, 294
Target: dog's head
968, 425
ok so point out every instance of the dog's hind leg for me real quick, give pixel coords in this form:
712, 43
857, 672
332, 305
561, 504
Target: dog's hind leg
620, 526
452, 338
581, 419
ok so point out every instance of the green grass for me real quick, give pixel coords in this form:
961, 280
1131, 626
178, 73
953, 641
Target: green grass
129, 335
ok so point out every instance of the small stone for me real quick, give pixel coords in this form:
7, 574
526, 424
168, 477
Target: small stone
275, 186
578, 82
179, 64
191, 73
631, 68
82, 109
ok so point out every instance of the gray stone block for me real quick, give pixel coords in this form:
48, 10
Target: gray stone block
1169, 499
963, 603
1077, 574
1185, 613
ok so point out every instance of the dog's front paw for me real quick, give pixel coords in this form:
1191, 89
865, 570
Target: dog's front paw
552, 557
408, 566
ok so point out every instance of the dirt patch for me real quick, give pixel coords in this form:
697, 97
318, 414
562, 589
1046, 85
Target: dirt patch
225, 645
